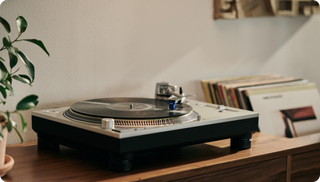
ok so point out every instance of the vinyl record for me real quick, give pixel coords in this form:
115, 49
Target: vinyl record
129, 108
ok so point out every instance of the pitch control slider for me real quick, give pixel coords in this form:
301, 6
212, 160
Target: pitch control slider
128, 129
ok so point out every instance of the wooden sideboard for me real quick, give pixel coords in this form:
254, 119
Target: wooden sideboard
270, 158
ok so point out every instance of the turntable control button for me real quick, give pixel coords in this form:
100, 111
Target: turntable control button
221, 107
107, 123
45, 111
199, 104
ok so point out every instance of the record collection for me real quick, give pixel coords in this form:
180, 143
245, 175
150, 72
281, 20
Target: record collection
273, 96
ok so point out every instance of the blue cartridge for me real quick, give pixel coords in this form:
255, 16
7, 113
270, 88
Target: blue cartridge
172, 104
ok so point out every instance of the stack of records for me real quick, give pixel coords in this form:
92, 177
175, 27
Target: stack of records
288, 106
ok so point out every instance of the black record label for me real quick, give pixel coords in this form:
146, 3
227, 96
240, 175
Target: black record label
129, 108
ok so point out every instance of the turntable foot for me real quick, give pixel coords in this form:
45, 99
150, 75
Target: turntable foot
241, 142
120, 162
47, 143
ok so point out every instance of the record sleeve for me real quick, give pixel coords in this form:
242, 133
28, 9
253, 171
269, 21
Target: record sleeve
288, 111
243, 97
214, 90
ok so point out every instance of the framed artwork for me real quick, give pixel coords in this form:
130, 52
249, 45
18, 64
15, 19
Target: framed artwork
232, 9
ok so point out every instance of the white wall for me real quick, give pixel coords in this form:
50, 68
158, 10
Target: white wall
121, 48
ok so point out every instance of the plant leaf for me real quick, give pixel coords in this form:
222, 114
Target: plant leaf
6, 42
2, 59
14, 126
21, 79
39, 43
9, 78
8, 86
3, 92
9, 123
3, 102
5, 24
1, 136
27, 63
3, 71
21, 139
24, 123
21, 24
28, 102
26, 77
13, 59
12, 55
11, 51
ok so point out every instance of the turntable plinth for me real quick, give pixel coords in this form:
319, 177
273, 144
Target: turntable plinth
148, 133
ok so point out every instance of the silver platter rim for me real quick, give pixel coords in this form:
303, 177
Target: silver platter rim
134, 123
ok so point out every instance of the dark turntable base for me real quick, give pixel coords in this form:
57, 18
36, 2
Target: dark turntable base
120, 152
152, 127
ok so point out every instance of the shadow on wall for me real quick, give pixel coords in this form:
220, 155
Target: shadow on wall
255, 39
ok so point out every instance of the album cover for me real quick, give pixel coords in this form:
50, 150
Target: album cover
205, 88
211, 89
288, 111
229, 88
217, 90
243, 97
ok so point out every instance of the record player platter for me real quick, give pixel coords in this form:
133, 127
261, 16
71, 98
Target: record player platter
137, 125
130, 108
130, 112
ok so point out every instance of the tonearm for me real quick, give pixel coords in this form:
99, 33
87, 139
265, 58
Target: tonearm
169, 92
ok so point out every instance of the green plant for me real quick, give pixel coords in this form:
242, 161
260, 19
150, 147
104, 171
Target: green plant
9, 72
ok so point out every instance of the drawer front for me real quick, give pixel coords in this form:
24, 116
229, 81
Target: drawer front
305, 166
271, 170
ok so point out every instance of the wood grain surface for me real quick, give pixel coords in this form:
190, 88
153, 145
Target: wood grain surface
271, 170
209, 159
305, 166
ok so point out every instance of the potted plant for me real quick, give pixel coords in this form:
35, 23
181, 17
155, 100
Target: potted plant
9, 73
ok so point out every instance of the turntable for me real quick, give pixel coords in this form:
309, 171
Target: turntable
119, 128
